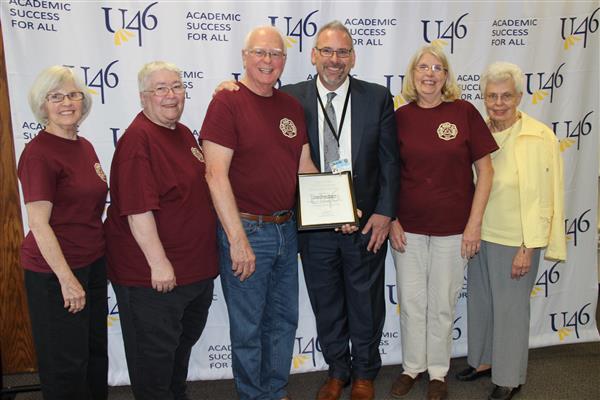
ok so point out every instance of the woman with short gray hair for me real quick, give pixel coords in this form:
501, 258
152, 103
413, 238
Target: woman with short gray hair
64, 190
524, 214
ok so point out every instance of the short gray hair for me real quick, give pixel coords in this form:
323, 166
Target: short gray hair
334, 25
151, 67
502, 71
268, 28
51, 79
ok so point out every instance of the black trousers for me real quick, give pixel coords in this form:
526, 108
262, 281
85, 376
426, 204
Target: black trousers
159, 331
345, 284
71, 348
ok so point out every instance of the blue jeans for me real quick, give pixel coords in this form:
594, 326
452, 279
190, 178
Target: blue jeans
263, 309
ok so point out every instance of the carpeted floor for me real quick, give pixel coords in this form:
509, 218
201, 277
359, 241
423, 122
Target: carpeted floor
555, 373
569, 372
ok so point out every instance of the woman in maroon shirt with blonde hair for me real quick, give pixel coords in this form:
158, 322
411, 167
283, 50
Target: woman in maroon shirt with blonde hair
64, 189
440, 139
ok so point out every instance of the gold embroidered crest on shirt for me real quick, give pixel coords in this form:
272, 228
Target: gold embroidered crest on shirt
288, 128
447, 131
198, 154
100, 172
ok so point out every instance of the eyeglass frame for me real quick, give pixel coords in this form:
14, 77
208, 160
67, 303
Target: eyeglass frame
175, 89
274, 54
435, 68
336, 52
63, 95
505, 98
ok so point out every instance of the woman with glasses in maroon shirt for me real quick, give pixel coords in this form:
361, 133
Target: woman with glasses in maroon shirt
64, 190
439, 211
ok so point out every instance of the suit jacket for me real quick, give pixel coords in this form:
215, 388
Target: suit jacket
375, 162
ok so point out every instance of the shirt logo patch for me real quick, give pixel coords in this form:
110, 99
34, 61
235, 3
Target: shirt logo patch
288, 128
100, 172
198, 154
447, 131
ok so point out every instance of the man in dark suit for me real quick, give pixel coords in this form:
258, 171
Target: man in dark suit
344, 273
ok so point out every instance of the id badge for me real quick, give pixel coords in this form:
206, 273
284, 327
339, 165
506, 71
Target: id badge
339, 166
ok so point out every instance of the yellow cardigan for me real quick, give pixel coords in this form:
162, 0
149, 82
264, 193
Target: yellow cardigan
541, 188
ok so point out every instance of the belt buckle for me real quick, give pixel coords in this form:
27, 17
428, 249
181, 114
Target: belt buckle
281, 218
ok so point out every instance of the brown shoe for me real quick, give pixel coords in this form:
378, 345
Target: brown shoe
437, 390
362, 389
331, 390
402, 385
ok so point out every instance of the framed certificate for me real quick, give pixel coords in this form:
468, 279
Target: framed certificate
325, 200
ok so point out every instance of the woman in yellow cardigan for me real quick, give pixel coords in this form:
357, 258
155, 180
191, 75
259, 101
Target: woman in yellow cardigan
524, 214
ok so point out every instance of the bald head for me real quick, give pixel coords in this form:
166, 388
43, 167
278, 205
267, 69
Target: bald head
261, 33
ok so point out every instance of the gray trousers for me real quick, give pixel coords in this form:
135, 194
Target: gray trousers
498, 313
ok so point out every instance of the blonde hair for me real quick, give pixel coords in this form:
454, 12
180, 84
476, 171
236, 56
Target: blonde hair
450, 90
51, 79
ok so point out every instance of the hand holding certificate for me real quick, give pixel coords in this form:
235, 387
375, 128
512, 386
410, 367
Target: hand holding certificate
325, 201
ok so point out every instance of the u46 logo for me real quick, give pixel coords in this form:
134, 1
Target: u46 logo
539, 85
456, 331
306, 350
576, 226
572, 28
297, 30
565, 322
101, 79
125, 23
456, 30
389, 79
573, 132
546, 279
113, 313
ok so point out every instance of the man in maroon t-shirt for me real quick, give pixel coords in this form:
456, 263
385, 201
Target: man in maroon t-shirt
161, 238
255, 143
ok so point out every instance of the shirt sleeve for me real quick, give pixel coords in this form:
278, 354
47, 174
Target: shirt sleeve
138, 190
481, 141
219, 122
302, 132
38, 178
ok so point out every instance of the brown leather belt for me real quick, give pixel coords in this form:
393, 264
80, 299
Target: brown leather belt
275, 219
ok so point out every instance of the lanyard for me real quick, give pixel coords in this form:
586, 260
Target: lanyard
338, 132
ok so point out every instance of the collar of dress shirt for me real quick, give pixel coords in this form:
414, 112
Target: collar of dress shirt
340, 91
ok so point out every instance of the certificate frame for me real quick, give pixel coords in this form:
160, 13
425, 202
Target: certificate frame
325, 201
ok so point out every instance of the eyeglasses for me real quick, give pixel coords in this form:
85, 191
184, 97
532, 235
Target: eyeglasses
59, 97
275, 54
435, 68
162, 91
328, 52
504, 97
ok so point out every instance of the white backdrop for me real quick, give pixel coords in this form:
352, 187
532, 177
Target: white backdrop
556, 44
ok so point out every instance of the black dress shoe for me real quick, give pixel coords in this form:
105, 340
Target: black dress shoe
470, 374
503, 393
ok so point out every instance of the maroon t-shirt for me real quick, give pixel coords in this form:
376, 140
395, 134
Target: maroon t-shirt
161, 170
266, 135
437, 149
66, 173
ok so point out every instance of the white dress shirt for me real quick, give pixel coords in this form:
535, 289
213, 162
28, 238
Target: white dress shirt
338, 105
